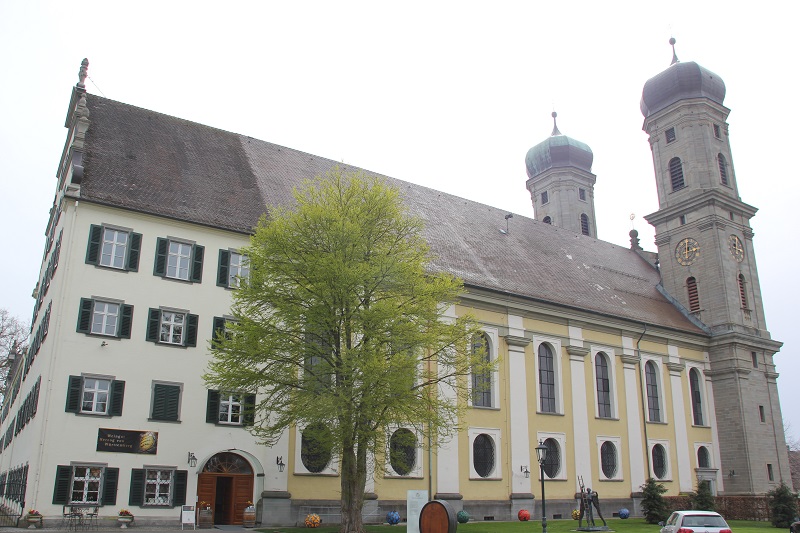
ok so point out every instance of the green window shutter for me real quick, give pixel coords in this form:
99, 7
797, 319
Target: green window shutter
110, 481
134, 251
212, 407
166, 399
219, 328
249, 410
74, 393
179, 490
93, 248
222, 269
117, 396
61, 489
85, 315
126, 317
160, 266
153, 321
136, 494
191, 331
197, 263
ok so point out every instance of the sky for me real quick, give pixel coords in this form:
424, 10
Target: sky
450, 95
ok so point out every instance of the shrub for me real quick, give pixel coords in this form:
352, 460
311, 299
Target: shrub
654, 506
702, 500
782, 506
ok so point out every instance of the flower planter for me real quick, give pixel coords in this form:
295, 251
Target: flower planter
34, 521
205, 518
124, 521
249, 517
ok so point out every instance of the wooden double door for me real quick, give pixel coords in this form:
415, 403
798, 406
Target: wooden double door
227, 490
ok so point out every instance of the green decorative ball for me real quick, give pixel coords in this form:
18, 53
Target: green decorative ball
462, 517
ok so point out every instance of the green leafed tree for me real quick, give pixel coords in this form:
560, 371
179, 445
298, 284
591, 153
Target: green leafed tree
703, 499
13, 345
782, 506
343, 330
654, 506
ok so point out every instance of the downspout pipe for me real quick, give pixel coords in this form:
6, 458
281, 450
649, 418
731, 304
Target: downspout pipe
644, 400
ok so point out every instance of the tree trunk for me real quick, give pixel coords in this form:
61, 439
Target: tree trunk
354, 478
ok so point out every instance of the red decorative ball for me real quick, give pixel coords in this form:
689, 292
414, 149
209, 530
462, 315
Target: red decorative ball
523, 515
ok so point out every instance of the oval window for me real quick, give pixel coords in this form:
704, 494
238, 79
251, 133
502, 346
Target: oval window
403, 451
483, 455
315, 448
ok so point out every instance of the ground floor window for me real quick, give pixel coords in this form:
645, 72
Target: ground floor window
86, 484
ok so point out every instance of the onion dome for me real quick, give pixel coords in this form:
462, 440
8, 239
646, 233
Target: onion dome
558, 150
680, 81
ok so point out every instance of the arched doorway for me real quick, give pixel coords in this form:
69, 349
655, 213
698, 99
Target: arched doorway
226, 483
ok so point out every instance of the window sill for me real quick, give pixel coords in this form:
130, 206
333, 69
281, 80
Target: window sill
547, 413
611, 418
485, 408
165, 421
614, 480
180, 280
658, 422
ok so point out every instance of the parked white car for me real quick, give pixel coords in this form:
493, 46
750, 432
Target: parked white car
695, 522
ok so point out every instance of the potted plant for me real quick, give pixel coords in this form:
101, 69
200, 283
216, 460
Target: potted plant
124, 518
34, 518
249, 516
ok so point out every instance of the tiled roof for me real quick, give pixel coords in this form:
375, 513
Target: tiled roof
154, 163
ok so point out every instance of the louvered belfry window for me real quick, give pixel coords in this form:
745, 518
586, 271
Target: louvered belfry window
694, 297
742, 293
723, 169
584, 224
676, 173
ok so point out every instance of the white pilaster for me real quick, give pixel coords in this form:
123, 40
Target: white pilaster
518, 406
447, 469
635, 443
580, 411
685, 477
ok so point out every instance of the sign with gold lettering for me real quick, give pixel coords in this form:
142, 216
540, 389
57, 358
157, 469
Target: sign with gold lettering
127, 441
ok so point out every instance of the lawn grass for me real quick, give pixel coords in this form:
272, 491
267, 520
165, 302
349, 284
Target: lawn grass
632, 525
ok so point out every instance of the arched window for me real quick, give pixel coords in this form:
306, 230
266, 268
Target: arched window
403, 451
703, 457
742, 293
608, 459
676, 173
552, 459
584, 224
481, 381
547, 380
659, 455
697, 397
547, 220
694, 297
723, 169
651, 379
315, 448
483, 455
603, 386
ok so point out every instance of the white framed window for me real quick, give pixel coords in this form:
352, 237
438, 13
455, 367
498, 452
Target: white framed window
314, 455
609, 456
555, 466
95, 395
485, 453
179, 259
697, 394
703, 455
239, 269
230, 409
605, 392
86, 484
550, 388
660, 467
172, 327
158, 487
484, 387
654, 390
404, 453
105, 318
114, 248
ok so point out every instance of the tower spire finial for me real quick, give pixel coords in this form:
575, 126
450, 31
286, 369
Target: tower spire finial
83, 73
674, 55
555, 127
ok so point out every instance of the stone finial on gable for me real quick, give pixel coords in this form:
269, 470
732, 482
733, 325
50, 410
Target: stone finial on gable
634, 240
83, 73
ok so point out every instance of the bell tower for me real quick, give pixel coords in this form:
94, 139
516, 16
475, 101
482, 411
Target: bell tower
707, 262
561, 182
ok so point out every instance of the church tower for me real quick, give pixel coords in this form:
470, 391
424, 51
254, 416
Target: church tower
561, 182
707, 262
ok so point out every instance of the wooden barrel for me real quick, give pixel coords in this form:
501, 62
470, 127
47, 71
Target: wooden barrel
437, 517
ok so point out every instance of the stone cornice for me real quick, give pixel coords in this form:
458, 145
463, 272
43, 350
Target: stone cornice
629, 359
514, 340
577, 351
675, 367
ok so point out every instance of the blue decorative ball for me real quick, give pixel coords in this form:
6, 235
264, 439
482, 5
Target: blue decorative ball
393, 517
462, 517
624, 513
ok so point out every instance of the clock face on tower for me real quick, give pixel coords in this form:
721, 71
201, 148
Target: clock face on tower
687, 251
737, 248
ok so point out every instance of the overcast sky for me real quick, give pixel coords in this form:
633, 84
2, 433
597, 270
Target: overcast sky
450, 95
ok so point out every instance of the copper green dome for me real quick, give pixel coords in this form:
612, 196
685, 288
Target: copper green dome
558, 150
680, 81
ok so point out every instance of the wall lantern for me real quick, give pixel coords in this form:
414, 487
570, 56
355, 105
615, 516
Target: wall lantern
279, 462
524, 470
192, 460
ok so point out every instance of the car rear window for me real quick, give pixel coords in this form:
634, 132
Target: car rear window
707, 520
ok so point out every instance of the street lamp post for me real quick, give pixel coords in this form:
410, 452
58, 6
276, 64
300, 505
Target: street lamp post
541, 453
